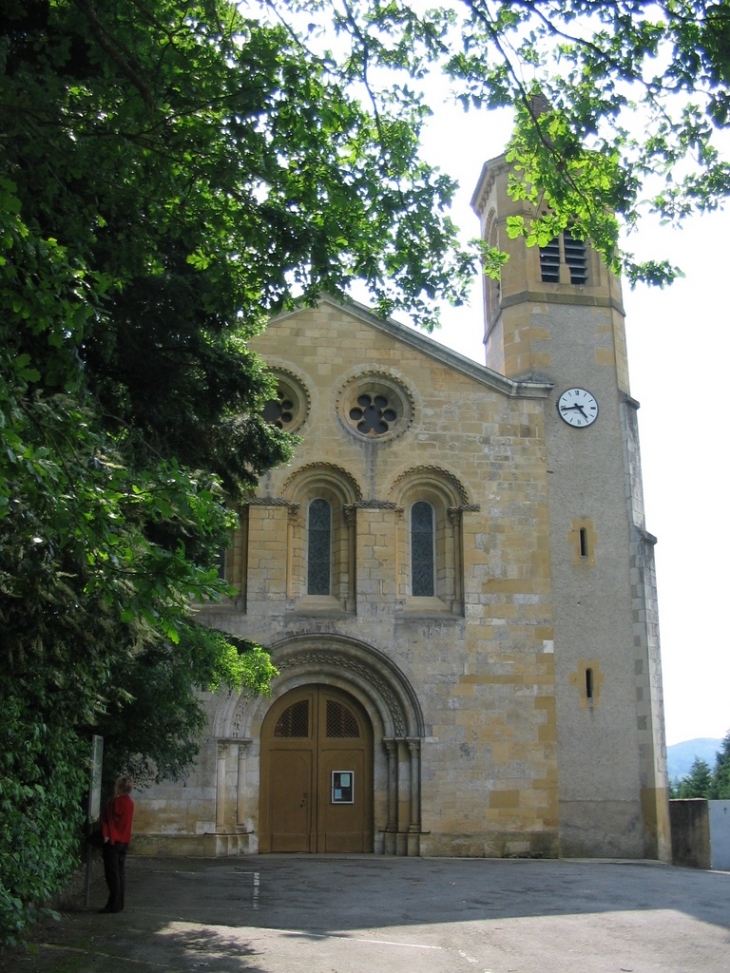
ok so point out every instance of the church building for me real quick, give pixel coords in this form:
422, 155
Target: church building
456, 584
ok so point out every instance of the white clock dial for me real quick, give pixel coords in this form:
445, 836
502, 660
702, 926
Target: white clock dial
578, 408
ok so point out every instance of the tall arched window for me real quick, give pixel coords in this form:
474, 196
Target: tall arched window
422, 550
319, 548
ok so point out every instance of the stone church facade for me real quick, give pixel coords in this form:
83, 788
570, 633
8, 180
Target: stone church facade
455, 580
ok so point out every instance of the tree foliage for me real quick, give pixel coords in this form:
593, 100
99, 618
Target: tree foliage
698, 782
721, 784
171, 174
619, 104
712, 783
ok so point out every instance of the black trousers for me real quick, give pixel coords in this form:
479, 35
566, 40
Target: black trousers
114, 858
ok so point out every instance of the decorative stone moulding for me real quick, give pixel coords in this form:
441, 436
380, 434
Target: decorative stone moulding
433, 477
290, 408
320, 475
375, 407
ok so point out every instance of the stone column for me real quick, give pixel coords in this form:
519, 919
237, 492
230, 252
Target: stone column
404, 796
350, 512
220, 787
243, 746
455, 517
414, 828
292, 591
391, 829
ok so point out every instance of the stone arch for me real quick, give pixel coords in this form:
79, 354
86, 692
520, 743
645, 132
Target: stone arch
390, 702
431, 478
337, 478
365, 672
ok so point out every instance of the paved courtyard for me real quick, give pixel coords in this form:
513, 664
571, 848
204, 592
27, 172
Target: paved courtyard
285, 914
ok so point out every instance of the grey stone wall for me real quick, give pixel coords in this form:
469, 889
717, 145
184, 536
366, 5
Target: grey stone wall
690, 823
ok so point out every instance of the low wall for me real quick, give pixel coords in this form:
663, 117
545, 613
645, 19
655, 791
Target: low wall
690, 823
719, 813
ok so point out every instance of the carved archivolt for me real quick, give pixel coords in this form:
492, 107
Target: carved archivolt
433, 477
365, 672
298, 486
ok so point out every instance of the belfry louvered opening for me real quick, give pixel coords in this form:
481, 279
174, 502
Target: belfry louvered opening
575, 258
550, 262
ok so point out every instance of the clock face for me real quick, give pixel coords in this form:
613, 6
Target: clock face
578, 407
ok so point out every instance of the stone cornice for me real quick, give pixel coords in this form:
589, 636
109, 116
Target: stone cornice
567, 294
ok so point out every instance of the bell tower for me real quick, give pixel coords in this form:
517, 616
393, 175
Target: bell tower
557, 315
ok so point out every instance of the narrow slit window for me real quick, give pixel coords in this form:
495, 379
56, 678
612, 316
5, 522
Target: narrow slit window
422, 550
583, 533
589, 684
319, 548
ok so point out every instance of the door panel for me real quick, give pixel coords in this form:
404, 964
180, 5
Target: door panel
341, 826
290, 796
306, 736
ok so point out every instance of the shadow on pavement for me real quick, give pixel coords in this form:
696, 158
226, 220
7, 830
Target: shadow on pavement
337, 894
231, 915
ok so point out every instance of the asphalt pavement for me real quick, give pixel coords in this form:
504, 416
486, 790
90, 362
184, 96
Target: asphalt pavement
366, 914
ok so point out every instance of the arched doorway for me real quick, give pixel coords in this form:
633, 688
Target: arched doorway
316, 773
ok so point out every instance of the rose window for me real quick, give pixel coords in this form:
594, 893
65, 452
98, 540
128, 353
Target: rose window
375, 407
289, 407
279, 411
373, 415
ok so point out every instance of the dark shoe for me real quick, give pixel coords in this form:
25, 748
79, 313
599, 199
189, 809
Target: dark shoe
106, 909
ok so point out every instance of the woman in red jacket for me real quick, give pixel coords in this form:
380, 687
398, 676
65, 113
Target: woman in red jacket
116, 826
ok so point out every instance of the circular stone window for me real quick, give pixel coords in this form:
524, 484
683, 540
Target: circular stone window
290, 406
375, 407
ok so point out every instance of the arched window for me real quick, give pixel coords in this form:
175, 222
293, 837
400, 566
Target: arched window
429, 543
422, 550
319, 548
321, 539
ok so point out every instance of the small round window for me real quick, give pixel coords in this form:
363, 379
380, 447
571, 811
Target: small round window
375, 407
289, 407
373, 414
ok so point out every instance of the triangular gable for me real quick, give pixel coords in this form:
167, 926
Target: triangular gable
432, 349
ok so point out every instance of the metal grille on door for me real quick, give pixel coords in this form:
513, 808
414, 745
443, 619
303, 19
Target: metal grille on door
294, 721
340, 721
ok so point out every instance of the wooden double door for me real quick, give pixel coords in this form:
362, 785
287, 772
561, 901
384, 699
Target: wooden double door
316, 774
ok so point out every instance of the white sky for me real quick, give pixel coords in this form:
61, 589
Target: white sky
679, 346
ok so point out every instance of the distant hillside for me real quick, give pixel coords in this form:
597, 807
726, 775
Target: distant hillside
680, 756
